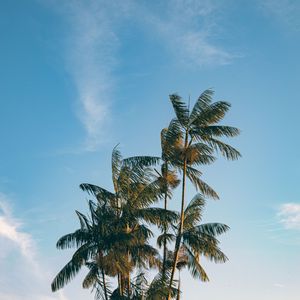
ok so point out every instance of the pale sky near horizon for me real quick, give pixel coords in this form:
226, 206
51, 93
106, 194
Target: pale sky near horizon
79, 77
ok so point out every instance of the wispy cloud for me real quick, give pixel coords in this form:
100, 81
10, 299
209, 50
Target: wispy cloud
284, 11
187, 27
10, 228
90, 55
25, 269
91, 45
289, 215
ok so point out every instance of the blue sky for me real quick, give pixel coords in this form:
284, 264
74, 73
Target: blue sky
78, 77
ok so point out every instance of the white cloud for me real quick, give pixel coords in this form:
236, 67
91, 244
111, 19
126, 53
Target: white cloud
289, 215
10, 229
20, 269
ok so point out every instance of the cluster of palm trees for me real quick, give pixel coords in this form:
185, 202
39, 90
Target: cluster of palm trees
114, 239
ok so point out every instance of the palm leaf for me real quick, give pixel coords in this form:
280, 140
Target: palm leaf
194, 266
213, 229
66, 274
202, 102
116, 162
75, 239
212, 114
180, 109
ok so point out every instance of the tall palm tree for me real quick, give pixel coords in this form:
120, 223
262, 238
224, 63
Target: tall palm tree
167, 180
200, 133
172, 147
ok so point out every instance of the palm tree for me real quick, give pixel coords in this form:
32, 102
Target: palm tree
199, 131
167, 180
93, 243
171, 146
123, 240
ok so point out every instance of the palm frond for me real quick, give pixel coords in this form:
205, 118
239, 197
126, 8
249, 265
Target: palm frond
218, 131
141, 161
194, 266
84, 222
193, 212
157, 216
201, 104
213, 229
116, 162
102, 195
159, 287
202, 186
226, 150
75, 239
92, 276
168, 237
180, 109
66, 274
212, 114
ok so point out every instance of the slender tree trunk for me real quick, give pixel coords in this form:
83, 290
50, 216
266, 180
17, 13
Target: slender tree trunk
120, 283
104, 284
165, 240
180, 229
178, 290
128, 286
128, 260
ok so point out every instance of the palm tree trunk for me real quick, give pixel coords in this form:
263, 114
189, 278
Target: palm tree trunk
165, 241
178, 290
180, 229
120, 284
128, 286
104, 285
